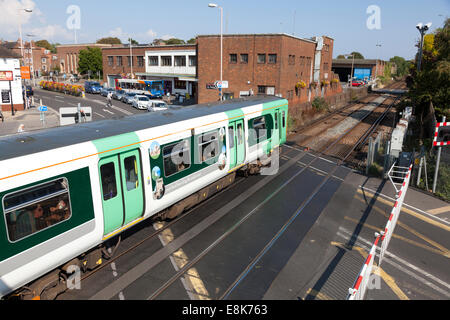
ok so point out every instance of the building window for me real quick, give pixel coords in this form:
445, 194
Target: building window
119, 61
325, 66
153, 61
180, 61
37, 208
272, 58
110, 61
233, 58
261, 58
130, 61
192, 61
177, 158
244, 58
140, 61
44, 60
180, 85
291, 59
166, 61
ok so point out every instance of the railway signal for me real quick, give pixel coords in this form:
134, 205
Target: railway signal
441, 138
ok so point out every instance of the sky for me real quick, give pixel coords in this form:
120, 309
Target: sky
357, 25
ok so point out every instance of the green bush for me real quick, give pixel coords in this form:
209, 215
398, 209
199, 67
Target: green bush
320, 104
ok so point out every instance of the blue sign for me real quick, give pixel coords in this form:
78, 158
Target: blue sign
43, 108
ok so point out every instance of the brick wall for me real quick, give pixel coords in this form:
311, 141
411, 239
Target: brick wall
68, 56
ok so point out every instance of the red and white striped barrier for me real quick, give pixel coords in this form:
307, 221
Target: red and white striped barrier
439, 144
359, 289
395, 212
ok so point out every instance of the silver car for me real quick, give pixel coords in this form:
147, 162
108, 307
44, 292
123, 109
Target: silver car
140, 102
157, 105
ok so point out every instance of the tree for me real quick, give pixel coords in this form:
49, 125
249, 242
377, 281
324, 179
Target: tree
90, 59
402, 66
357, 55
173, 41
192, 41
109, 40
46, 45
133, 42
341, 56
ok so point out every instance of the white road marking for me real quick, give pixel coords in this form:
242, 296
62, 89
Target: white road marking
108, 111
121, 110
99, 115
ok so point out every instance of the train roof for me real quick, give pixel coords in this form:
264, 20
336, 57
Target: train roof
43, 140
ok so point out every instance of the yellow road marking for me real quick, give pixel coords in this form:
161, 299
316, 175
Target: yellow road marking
318, 295
401, 238
442, 250
377, 270
439, 210
406, 210
180, 259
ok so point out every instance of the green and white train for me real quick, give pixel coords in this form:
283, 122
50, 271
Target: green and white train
64, 192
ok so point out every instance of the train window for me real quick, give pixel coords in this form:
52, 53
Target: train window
131, 173
177, 157
208, 144
260, 127
231, 134
240, 134
276, 120
32, 210
284, 119
109, 184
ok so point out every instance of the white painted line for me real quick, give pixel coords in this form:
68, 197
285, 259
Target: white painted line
99, 115
405, 204
121, 110
394, 257
108, 111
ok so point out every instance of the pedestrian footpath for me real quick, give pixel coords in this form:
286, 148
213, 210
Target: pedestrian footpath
27, 120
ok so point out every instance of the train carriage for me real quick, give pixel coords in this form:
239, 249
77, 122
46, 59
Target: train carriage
66, 191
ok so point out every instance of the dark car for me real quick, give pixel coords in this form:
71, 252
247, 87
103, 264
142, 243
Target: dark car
92, 87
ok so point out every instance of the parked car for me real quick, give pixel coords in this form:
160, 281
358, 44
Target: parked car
357, 83
92, 87
118, 94
106, 91
141, 102
128, 97
157, 105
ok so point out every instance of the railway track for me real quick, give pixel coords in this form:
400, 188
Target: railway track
113, 290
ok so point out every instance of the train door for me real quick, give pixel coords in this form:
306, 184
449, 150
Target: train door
276, 129
236, 143
122, 189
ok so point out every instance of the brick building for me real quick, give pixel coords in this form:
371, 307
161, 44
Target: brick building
175, 64
68, 55
40, 60
280, 64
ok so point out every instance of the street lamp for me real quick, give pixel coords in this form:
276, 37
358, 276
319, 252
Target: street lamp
422, 29
20, 29
353, 63
131, 59
376, 68
213, 5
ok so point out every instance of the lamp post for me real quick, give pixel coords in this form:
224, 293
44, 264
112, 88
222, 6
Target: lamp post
422, 29
20, 29
376, 68
353, 64
131, 59
213, 5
